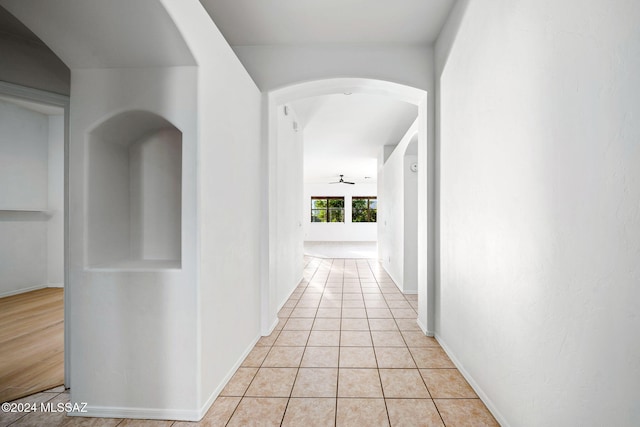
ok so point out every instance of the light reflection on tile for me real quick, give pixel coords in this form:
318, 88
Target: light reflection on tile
347, 348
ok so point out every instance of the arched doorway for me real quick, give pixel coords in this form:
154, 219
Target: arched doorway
425, 203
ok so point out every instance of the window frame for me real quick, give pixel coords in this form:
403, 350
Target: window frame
368, 210
328, 209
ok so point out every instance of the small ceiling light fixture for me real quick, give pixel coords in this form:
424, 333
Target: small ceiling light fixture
347, 93
286, 110
367, 177
295, 126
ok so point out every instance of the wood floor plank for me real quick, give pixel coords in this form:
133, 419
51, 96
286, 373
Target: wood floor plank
31, 342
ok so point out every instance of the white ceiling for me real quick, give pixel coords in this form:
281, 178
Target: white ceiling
305, 22
11, 26
103, 34
343, 134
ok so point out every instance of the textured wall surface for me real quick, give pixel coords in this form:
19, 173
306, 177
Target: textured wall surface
540, 207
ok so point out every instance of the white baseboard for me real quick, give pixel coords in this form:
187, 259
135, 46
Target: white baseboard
22, 291
166, 414
284, 301
273, 326
395, 282
474, 385
213, 396
138, 413
424, 329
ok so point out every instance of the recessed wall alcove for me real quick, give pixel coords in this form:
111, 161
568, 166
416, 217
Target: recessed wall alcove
134, 193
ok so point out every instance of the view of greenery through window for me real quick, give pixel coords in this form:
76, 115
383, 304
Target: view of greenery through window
327, 209
364, 209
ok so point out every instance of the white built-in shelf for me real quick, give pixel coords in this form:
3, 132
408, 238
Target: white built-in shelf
140, 228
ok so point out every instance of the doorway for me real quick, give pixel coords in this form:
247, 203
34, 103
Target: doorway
274, 194
33, 224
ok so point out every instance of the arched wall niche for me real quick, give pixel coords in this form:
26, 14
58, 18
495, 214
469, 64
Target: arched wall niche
134, 193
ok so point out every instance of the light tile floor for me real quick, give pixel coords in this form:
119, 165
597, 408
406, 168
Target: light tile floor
346, 352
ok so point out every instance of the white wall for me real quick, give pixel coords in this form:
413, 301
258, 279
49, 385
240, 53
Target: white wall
346, 231
31, 199
539, 212
410, 253
395, 182
23, 171
155, 342
229, 197
159, 175
273, 67
289, 216
133, 327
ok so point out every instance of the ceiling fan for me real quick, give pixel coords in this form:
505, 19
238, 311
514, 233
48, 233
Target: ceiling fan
342, 181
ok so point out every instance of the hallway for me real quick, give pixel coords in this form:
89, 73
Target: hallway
347, 351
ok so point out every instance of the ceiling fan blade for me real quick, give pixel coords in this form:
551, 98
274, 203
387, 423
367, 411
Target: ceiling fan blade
347, 182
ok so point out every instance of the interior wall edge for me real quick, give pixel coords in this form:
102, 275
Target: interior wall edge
474, 385
214, 395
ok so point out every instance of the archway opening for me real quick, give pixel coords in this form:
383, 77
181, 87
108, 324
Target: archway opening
272, 259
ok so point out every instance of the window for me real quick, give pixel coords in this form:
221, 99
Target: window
327, 209
364, 209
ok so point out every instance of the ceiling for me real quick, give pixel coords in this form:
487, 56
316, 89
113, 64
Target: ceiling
325, 22
343, 134
11, 26
103, 34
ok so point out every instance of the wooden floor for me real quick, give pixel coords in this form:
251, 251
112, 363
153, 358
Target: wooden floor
31, 343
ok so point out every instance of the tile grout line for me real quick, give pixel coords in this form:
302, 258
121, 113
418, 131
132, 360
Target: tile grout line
305, 347
335, 421
413, 359
375, 355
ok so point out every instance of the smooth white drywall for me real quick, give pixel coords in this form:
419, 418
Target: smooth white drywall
55, 206
289, 216
229, 196
159, 174
410, 212
23, 252
397, 217
346, 231
539, 213
23, 165
132, 328
276, 66
156, 342
32, 65
23, 186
